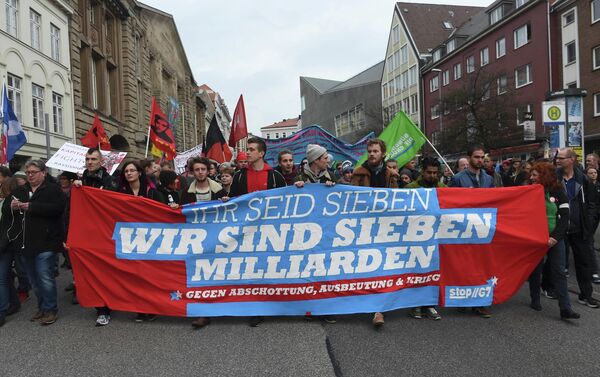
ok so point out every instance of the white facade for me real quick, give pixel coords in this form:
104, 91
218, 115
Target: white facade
34, 62
400, 81
570, 48
273, 132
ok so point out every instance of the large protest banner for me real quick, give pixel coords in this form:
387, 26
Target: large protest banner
318, 249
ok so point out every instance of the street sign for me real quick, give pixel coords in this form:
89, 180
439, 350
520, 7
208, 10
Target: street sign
553, 113
528, 130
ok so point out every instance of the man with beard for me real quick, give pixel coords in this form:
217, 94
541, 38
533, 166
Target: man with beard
474, 177
373, 173
286, 166
488, 165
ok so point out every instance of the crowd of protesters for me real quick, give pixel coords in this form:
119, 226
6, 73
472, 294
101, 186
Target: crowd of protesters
35, 211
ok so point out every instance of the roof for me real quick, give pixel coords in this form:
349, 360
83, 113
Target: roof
283, 124
321, 85
425, 22
369, 75
211, 93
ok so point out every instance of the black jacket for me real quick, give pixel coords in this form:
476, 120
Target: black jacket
239, 184
562, 222
42, 222
582, 207
101, 180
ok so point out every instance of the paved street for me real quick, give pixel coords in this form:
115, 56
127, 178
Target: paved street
516, 341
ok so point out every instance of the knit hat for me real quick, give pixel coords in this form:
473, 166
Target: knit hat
167, 177
20, 174
68, 175
241, 156
313, 152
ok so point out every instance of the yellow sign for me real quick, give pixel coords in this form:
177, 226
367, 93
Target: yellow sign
554, 113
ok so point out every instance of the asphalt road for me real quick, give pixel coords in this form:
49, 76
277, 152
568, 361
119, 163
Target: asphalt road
515, 341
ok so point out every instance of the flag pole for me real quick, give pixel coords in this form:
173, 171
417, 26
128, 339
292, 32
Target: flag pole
148, 139
435, 150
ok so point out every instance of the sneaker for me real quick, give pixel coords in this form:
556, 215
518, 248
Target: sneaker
12, 309
200, 322
308, 317
140, 317
596, 279
151, 317
255, 321
569, 314
536, 305
2, 320
432, 313
589, 302
482, 312
550, 294
329, 319
49, 318
37, 316
567, 274
102, 320
416, 313
378, 319
23, 296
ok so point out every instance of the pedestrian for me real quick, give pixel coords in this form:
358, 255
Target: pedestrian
461, 164
202, 189
557, 212
410, 169
392, 166
227, 179
592, 174
21, 178
582, 204
490, 168
474, 176
316, 170
346, 176
591, 160
373, 173
167, 189
286, 166
241, 160
430, 170
522, 178
133, 181
43, 204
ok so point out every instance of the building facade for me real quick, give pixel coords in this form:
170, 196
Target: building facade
347, 109
34, 65
496, 74
285, 128
123, 53
415, 30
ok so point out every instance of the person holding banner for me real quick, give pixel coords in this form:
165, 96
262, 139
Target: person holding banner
557, 211
167, 189
316, 171
373, 173
286, 166
133, 181
474, 176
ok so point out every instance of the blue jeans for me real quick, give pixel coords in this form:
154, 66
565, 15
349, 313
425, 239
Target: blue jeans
555, 264
40, 271
8, 293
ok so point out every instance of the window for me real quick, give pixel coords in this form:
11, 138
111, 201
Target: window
283, 134
595, 10
597, 104
276, 135
485, 91
520, 3
396, 59
406, 105
457, 71
570, 53
446, 78
13, 88
502, 83
392, 87
435, 111
569, 18
447, 25
496, 15
522, 36
12, 17
404, 80
434, 84
437, 55
523, 76
385, 90
94, 85
390, 63
268, 136
55, 42
500, 48
302, 103
412, 75
35, 20
395, 34
404, 54
414, 105
398, 84
37, 95
57, 113
571, 85
484, 56
470, 64
451, 45
596, 57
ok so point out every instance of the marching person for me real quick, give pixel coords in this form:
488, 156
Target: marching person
373, 173
316, 170
557, 212
474, 176
167, 189
286, 166
43, 204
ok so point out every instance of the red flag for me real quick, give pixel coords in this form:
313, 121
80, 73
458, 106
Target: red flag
96, 136
160, 131
216, 147
239, 128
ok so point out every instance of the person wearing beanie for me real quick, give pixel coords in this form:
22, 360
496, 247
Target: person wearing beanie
316, 170
21, 178
346, 178
373, 173
241, 161
167, 190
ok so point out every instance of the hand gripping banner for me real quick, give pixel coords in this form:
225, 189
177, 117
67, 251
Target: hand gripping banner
318, 249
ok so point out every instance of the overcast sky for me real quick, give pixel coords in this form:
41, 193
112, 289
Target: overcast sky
260, 48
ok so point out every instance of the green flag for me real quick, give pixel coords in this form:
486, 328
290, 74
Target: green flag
402, 138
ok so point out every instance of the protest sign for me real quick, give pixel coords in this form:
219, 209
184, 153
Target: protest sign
265, 254
181, 158
71, 157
